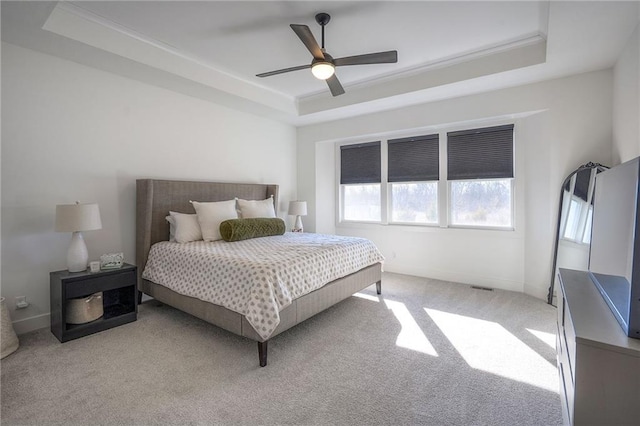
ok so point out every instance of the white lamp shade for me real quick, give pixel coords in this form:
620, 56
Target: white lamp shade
77, 217
322, 70
298, 208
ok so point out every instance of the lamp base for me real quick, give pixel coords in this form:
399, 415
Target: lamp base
298, 225
77, 255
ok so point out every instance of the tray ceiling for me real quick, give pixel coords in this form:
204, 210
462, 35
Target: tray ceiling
213, 50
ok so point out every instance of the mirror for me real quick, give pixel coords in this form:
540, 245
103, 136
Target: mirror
575, 213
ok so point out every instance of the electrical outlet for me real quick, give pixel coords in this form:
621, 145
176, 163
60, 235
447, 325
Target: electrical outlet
21, 302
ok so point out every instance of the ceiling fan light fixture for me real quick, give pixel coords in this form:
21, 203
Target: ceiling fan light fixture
323, 70
323, 65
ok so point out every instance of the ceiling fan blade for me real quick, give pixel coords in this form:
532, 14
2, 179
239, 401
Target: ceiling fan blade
388, 57
309, 41
335, 86
282, 71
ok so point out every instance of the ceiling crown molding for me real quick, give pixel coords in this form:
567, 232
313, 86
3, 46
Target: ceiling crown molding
71, 21
521, 53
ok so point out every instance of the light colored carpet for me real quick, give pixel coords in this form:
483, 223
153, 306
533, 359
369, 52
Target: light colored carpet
425, 352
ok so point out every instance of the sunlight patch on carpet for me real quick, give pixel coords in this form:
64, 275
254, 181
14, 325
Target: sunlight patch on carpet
548, 338
411, 336
489, 347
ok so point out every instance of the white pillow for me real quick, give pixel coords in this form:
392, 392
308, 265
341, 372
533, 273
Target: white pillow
183, 228
212, 214
256, 208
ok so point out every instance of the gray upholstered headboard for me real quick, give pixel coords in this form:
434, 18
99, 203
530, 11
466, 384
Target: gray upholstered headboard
154, 199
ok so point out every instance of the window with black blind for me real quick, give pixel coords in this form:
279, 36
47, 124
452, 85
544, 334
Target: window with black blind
583, 179
581, 182
360, 178
577, 222
413, 171
414, 159
401, 182
360, 163
485, 153
480, 174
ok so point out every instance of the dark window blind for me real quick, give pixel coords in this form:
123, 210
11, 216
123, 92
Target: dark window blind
413, 159
360, 163
480, 153
583, 179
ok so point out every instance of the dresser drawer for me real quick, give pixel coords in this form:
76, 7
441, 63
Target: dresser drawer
567, 394
561, 304
569, 337
98, 283
560, 344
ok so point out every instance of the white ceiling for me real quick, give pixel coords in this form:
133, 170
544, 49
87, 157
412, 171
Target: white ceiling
213, 50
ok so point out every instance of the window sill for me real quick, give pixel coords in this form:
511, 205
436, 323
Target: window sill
424, 228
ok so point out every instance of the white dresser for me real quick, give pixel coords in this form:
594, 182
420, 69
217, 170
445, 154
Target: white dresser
599, 365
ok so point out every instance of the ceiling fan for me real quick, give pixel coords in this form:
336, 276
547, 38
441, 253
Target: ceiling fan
323, 65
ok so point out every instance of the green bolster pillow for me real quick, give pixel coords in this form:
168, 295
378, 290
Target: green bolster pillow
243, 229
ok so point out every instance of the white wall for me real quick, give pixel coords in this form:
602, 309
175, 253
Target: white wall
71, 132
626, 102
566, 123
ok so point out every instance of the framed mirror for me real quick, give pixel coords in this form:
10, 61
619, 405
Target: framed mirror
575, 214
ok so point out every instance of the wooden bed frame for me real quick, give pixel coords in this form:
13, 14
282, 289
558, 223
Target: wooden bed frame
154, 200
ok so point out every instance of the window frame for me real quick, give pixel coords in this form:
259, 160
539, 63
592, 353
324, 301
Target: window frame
491, 227
443, 188
433, 139
390, 208
341, 204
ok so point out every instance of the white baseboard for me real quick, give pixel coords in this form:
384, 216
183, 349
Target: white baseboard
456, 277
31, 324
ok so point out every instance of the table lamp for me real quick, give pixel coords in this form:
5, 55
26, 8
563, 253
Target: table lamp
298, 209
76, 218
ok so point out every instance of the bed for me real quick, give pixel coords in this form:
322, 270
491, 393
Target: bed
155, 198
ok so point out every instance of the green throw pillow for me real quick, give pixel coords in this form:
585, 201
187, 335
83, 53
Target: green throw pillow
243, 229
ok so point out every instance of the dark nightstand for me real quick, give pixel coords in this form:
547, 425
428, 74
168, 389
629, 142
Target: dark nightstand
119, 291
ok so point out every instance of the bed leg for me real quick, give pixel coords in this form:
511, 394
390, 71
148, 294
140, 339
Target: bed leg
379, 287
139, 297
262, 353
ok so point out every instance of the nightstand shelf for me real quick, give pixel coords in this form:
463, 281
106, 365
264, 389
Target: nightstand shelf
119, 291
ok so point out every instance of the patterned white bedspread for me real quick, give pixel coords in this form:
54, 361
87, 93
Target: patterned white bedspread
261, 276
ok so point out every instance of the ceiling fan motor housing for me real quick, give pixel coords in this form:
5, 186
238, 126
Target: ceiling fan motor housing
327, 58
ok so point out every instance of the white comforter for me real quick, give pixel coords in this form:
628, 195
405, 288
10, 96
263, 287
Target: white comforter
258, 277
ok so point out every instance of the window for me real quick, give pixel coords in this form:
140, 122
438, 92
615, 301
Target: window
576, 226
360, 177
586, 238
481, 202
480, 171
401, 181
413, 173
